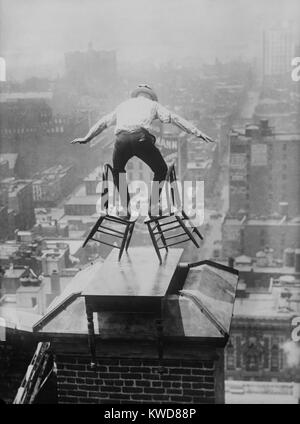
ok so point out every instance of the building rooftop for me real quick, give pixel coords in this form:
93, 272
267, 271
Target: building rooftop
85, 219
83, 200
8, 97
73, 244
262, 221
275, 136
13, 318
254, 267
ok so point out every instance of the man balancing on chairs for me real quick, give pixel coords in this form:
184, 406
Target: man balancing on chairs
132, 120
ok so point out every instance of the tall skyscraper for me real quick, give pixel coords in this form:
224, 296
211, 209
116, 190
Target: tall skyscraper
278, 50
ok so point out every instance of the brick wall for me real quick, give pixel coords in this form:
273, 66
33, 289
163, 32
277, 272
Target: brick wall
15, 356
136, 380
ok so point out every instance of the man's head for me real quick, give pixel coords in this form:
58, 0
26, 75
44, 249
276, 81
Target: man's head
146, 91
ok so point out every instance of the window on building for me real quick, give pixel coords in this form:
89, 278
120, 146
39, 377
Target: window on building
238, 347
33, 302
230, 362
281, 354
275, 358
266, 361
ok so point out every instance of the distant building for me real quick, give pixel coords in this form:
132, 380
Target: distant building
4, 223
20, 200
264, 171
51, 185
248, 236
55, 257
278, 49
91, 71
93, 181
4, 168
11, 279
81, 205
8, 163
260, 346
51, 229
22, 115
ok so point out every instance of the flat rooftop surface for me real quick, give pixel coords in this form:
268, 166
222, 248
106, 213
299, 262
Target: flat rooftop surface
137, 274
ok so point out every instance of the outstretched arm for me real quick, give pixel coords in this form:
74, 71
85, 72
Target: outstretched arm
100, 126
165, 116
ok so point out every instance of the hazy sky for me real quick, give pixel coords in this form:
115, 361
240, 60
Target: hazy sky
38, 32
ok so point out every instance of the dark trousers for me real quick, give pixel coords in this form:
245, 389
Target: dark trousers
142, 145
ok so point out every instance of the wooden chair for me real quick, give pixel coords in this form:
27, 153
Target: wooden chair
161, 228
106, 224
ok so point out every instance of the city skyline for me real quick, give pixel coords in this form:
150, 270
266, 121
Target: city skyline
138, 31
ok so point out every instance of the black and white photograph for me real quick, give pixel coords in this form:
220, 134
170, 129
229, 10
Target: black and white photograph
150, 204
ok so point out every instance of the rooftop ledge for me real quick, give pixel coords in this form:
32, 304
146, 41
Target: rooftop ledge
194, 300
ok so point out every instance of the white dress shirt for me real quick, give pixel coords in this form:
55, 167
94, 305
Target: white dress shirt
139, 112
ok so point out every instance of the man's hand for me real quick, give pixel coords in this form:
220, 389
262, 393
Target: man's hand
79, 140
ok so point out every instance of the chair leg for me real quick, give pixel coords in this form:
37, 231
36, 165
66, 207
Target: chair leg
154, 242
195, 229
162, 236
129, 236
124, 241
188, 232
94, 230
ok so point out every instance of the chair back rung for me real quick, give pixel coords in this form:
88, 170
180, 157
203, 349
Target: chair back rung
178, 242
175, 236
110, 234
104, 242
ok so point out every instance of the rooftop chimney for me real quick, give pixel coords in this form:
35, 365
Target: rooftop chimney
264, 127
231, 262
